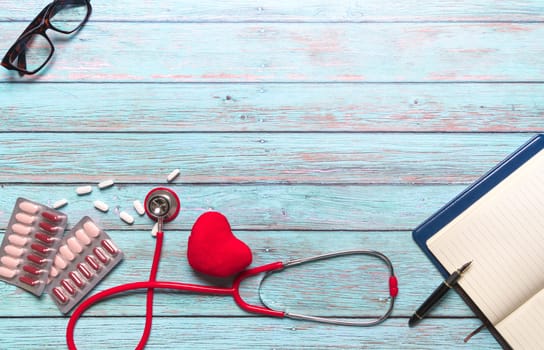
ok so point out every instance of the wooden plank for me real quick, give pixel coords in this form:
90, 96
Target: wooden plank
361, 292
255, 207
308, 52
244, 333
299, 11
272, 107
255, 157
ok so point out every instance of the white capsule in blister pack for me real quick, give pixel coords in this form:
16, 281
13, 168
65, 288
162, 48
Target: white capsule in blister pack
30, 243
86, 255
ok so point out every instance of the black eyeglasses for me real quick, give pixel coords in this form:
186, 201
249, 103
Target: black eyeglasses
33, 49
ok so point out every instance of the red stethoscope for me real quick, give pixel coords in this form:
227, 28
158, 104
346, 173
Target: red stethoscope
163, 205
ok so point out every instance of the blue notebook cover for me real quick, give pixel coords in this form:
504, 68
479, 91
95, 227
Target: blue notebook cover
469, 196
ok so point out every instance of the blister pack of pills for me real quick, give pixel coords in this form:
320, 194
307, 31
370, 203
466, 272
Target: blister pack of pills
30, 244
85, 256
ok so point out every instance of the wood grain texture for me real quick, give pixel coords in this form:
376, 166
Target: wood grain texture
300, 11
255, 207
314, 126
246, 333
288, 158
303, 52
272, 107
315, 289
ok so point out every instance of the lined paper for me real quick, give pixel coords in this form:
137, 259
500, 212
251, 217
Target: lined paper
503, 234
523, 328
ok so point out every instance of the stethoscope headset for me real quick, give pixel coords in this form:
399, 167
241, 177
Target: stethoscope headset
163, 205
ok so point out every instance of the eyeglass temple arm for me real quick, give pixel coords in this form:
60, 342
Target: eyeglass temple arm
35, 22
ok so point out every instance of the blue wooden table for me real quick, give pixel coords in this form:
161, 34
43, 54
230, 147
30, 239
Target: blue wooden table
314, 126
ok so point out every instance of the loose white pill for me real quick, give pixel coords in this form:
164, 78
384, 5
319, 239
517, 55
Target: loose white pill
7, 273
139, 207
82, 190
82, 237
10, 262
17, 240
21, 229
60, 203
105, 184
126, 217
155, 229
29, 207
172, 175
74, 245
14, 251
66, 253
25, 218
91, 229
103, 207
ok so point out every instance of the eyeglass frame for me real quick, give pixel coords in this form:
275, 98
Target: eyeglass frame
39, 25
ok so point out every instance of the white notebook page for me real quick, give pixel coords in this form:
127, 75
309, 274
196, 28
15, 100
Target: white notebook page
522, 329
503, 234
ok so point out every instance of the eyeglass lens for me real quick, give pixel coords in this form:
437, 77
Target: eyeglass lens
34, 50
67, 16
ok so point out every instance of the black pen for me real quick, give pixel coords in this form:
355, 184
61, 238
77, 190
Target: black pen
438, 293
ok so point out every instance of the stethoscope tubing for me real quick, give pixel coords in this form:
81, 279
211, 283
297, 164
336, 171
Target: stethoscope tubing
153, 284
393, 288
234, 291
171, 202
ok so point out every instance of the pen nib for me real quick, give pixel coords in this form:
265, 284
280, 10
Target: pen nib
464, 267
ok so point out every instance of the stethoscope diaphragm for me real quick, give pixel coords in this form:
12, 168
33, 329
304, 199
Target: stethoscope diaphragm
162, 203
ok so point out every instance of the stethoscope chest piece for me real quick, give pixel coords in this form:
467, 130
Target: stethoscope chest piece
162, 203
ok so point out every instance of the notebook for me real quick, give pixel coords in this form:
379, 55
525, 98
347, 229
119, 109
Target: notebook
498, 224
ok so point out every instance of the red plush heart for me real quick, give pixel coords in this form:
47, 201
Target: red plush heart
214, 250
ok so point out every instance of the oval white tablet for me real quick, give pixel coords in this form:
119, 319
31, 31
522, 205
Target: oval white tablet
66, 253
53, 272
91, 229
82, 237
103, 207
82, 190
74, 245
10, 262
28, 207
126, 217
17, 240
155, 229
60, 203
14, 251
21, 229
105, 184
25, 218
139, 207
7, 273
60, 263
172, 175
